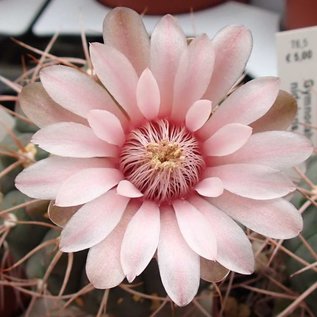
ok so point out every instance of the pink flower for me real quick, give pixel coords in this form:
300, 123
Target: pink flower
168, 171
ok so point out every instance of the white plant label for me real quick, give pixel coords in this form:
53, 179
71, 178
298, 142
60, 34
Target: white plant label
297, 68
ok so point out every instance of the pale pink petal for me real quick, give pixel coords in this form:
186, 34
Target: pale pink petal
93, 222
227, 139
87, 185
179, 265
41, 109
43, 179
148, 95
252, 181
212, 271
276, 218
103, 266
198, 114
210, 187
245, 105
118, 75
167, 44
234, 248
127, 189
140, 240
192, 76
232, 47
106, 126
277, 149
195, 229
72, 140
76, 91
123, 29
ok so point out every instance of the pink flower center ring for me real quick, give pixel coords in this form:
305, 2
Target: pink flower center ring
162, 160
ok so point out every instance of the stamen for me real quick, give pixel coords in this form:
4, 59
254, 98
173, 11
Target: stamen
162, 160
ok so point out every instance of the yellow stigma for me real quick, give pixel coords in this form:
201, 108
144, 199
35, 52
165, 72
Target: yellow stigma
164, 154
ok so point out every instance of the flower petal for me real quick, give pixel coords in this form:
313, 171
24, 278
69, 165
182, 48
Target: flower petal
7, 123
195, 229
252, 181
193, 75
93, 222
60, 215
72, 140
280, 116
106, 126
87, 185
167, 44
234, 248
277, 218
118, 75
210, 187
276, 149
148, 95
245, 105
227, 139
127, 189
123, 29
232, 47
103, 267
198, 114
179, 265
41, 109
140, 240
76, 91
43, 179
212, 271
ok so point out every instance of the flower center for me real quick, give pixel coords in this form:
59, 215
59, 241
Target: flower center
162, 160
